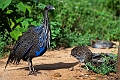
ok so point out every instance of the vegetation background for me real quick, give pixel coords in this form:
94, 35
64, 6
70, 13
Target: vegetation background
73, 23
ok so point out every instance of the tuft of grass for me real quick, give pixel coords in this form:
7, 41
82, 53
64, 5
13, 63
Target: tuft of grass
106, 67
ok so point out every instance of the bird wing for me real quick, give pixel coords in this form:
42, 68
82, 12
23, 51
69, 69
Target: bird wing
34, 40
24, 43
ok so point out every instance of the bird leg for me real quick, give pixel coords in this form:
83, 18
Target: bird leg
31, 68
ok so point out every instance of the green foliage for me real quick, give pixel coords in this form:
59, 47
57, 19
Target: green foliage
81, 22
3, 41
55, 26
105, 67
71, 24
4, 3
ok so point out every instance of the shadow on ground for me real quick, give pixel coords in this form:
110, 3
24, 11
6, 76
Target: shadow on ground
54, 66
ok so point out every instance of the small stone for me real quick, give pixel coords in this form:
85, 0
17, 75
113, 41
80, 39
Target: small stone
81, 74
71, 69
92, 78
57, 74
86, 75
112, 74
82, 64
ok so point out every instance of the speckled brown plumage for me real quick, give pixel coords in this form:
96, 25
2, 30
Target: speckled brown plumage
82, 53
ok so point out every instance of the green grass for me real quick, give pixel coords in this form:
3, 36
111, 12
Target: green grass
105, 68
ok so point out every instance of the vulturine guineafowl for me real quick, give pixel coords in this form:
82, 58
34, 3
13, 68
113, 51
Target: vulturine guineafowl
33, 43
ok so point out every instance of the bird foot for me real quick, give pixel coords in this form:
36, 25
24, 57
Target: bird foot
33, 73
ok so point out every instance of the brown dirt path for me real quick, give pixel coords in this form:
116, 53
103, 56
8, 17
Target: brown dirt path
53, 65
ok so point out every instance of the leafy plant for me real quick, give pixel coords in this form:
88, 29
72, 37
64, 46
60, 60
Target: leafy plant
4, 3
1, 46
3, 41
104, 68
55, 33
71, 24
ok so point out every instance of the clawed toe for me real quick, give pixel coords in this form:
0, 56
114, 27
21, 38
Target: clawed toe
33, 73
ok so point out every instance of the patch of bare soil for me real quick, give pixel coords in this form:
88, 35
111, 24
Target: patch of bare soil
54, 65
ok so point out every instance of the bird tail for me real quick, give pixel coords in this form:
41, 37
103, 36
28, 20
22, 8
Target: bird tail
7, 63
12, 59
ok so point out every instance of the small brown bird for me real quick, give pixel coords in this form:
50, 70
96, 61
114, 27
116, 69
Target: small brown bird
102, 44
82, 54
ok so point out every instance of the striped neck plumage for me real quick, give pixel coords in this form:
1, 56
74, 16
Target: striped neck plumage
46, 20
46, 29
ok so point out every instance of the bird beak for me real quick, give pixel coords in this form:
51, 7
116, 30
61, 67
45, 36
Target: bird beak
53, 8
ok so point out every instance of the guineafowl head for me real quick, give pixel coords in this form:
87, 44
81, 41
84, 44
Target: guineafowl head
49, 7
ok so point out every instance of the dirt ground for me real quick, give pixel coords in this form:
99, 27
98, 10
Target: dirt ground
54, 65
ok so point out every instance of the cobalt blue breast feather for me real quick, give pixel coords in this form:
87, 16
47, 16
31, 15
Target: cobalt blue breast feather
42, 39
